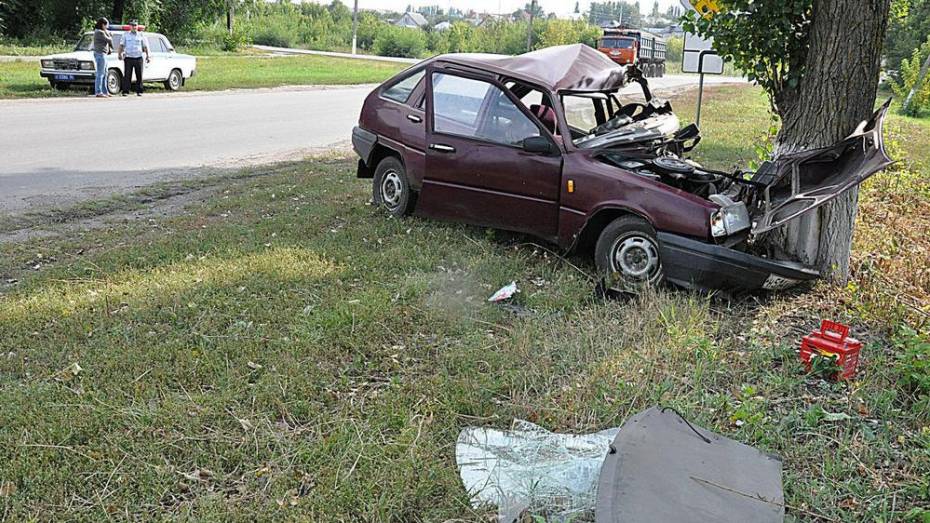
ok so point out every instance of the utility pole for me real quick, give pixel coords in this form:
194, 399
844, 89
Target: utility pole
529, 32
355, 29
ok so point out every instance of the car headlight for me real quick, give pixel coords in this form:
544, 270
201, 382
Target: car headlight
87, 66
48, 64
731, 218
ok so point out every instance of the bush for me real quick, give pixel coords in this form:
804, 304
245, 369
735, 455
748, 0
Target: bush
674, 49
274, 35
232, 42
913, 363
400, 42
907, 77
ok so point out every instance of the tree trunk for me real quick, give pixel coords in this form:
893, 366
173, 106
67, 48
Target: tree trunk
230, 15
119, 7
837, 92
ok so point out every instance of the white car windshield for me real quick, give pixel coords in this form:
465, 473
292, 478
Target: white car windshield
86, 43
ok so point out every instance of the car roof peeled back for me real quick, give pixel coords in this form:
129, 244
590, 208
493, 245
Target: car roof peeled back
575, 68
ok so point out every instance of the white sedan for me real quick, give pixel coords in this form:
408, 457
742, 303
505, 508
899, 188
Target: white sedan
77, 67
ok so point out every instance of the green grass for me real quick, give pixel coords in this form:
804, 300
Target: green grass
284, 351
12, 49
219, 72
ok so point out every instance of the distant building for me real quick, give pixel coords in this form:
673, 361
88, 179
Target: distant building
442, 26
412, 21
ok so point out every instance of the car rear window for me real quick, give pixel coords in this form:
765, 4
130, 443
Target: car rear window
400, 91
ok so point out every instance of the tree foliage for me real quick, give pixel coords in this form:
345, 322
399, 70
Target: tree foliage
908, 74
42, 18
767, 40
908, 28
608, 12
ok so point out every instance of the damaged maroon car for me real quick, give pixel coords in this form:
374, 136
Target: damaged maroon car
542, 144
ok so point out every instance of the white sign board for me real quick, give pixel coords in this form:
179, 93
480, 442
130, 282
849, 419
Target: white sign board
699, 56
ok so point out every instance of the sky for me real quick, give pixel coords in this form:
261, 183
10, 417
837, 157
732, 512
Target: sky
560, 7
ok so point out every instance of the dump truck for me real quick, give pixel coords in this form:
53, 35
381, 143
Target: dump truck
635, 47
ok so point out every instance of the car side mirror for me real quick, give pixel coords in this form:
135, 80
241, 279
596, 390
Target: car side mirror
538, 145
171, 49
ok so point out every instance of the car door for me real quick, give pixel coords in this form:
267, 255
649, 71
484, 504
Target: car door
401, 121
477, 170
156, 68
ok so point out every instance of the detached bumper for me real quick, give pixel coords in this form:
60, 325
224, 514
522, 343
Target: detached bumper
698, 265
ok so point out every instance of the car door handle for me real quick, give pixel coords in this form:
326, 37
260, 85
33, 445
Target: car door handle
442, 148
414, 118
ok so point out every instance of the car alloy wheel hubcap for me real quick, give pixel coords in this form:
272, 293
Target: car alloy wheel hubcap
174, 80
391, 190
112, 83
636, 257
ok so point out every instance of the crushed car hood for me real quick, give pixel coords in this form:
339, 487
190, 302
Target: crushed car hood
797, 183
657, 127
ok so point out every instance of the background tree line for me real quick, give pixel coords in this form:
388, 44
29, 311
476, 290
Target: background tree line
329, 27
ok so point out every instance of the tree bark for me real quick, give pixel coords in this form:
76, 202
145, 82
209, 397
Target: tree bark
230, 15
119, 7
837, 92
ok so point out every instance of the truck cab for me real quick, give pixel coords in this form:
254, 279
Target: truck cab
634, 47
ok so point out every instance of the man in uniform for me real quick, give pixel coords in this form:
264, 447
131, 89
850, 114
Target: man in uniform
131, 48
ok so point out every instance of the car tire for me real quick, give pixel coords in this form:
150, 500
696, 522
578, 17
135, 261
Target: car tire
114, 81
175, 80
627, 255
60, 86
391, 188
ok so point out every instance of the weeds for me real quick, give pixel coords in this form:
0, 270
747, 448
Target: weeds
283, 351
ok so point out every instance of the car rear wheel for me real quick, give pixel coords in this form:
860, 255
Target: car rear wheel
627, 254
175, 80
114, 81
391, 188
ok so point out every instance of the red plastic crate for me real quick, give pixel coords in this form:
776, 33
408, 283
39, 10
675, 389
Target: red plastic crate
833, 340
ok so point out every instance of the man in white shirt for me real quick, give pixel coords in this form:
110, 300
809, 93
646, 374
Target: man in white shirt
131, 48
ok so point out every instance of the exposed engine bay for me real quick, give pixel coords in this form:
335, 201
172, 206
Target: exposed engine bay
646, 139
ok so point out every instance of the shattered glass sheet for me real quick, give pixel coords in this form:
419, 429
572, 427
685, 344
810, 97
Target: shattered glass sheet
530, 468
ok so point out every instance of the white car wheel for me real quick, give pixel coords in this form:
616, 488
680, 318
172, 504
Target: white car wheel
114, 81
174, 81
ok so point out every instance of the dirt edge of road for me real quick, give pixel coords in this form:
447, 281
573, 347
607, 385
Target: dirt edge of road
156, 201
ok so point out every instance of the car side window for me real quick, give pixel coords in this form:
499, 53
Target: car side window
457, 109
155, 45
400, 91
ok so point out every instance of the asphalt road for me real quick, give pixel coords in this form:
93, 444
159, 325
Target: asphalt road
56, 152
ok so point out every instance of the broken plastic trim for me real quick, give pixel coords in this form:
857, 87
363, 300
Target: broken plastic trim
800, 182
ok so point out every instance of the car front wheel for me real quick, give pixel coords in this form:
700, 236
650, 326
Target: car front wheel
391, 188
114, 81
627, 254
174, 81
